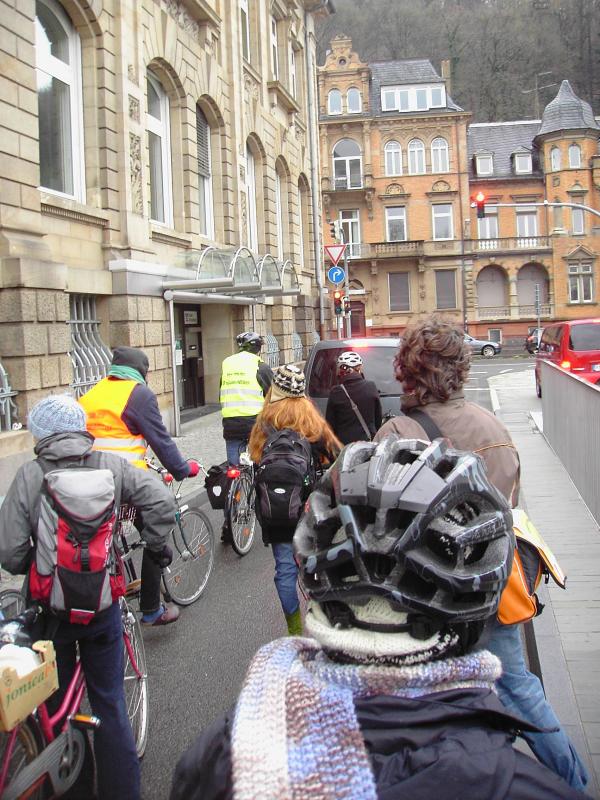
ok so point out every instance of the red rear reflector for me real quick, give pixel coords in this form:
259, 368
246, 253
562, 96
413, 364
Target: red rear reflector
565, 364
233, 472
167, 477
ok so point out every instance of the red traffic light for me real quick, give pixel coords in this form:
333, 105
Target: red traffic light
480, 197
337, 303
480, 201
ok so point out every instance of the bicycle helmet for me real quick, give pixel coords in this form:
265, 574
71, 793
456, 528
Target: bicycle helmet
414, 523
249, 340
349, 360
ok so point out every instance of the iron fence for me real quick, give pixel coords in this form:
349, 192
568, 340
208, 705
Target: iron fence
297, 349
8, 409
89, 355
270, 353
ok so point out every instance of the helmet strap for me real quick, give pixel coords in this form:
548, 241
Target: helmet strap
417, 625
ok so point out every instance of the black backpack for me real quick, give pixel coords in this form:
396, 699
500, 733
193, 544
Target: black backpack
284, 477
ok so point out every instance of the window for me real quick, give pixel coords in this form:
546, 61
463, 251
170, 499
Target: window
60, 104
293, 76
279, 216
487, 228
439, 155
577, 221
252, 237
580, 282
421, 99
388, 100
159, 148
445, 288
555, 159
334, 104
395, 222
354, 101
350, 222
245, 29
347, 165
274, 52
393, 158
412, 98
437, 97
399, 289
522, 163
574, 156
443, 227
205, 191
89, 355
485, 164
416, 157
495, 335
526, 226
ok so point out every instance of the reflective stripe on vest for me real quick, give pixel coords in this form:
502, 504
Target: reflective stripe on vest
241, 394
104, 405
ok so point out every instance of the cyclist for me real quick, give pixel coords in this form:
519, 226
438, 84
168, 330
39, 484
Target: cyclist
58, 425
403, 552
124, 418
354, 406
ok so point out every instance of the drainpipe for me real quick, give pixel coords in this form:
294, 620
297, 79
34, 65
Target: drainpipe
176, 421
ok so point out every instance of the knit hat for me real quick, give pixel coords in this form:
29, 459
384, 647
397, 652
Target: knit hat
131, 357
288, 381
56, 414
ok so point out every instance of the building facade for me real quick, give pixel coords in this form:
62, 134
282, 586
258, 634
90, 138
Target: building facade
401, 165
158, 168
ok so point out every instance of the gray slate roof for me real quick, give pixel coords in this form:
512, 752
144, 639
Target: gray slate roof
408, 71
567, 112
502, 139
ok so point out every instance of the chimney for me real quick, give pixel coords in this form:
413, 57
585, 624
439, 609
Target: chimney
447, 74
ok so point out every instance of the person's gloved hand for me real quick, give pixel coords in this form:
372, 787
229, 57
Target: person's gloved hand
194, 468
162, 558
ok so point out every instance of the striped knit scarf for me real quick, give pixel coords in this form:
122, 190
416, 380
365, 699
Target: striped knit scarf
295, 733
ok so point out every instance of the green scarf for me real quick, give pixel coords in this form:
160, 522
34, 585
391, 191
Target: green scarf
126, 374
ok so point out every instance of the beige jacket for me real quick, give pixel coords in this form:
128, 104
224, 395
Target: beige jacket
468, 427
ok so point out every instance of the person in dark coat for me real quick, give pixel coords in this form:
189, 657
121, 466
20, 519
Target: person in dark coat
354, 407
390, 698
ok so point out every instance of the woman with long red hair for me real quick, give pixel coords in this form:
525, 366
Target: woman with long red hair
287, 408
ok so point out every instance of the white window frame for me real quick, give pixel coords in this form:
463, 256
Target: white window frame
577, 221
487, 229
351, 225
409, 98
525, 230
301, 226
440, 157
394, 213
479, 161
526, 170
399, 310
274, 50
162, 129
357, 93
580, 276
70, 75
416, 148
348, 172
574, 148
293, 75
330, 111
555, 159
279, 216
438, 215
205, 186
393, 158
252, 240
245, 29
437, 304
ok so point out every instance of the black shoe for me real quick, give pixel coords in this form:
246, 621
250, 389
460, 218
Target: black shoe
226, 537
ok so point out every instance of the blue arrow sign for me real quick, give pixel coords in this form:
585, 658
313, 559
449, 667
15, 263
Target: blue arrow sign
336, 274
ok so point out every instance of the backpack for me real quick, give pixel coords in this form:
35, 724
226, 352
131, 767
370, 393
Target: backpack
216, 485
284, 477
76, 571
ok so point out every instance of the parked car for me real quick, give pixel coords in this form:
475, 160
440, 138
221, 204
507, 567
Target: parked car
484, 347
574, 346
532, 340
378, 359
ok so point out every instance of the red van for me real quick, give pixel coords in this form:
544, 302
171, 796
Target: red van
574, 346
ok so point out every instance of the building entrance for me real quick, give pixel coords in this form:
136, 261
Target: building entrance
189, 362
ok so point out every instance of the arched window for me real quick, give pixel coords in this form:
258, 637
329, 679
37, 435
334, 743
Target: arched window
347, 165
439, 155
303, 222
334, 102
416, 157
205, 188
393, 158
353, 101
159, 148
555, 159
252, 236
574, 156
60, 103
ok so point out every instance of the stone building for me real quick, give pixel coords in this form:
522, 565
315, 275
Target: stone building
401, 164
158, 164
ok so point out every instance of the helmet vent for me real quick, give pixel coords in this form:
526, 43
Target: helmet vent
379, 566
413, 585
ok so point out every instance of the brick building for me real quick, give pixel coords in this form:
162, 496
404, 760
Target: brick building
400, 166
157, 172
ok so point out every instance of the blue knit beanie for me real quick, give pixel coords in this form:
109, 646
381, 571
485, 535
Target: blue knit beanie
56, 414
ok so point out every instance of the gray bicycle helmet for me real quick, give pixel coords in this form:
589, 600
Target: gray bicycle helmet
349, 360
418, 524
249, 340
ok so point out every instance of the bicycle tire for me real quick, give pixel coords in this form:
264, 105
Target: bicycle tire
29, 745
193, 541
136, 686
12, 603
241, 517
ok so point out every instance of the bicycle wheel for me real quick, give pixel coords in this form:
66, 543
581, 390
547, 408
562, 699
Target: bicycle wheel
28, 745
241, 516
193, 557
12, 603
135, 677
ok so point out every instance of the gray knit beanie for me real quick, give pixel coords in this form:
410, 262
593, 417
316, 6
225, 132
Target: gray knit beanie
288, 381
56, 414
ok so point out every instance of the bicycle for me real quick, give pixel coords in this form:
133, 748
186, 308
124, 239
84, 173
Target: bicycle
240, 516
33, 758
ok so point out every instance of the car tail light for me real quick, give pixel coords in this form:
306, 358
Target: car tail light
233, 472
565, 364
357, 344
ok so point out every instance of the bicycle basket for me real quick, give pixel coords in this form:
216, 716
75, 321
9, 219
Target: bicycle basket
216, 485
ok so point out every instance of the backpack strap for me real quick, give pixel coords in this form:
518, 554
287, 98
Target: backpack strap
425, 421
359, 416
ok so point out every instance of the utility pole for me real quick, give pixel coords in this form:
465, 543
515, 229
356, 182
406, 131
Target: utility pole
538, 312
347, 293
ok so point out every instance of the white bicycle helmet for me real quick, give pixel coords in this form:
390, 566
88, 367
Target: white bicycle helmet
349, 360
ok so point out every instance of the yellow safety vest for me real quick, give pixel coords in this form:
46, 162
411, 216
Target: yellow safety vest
104, 405
241, 395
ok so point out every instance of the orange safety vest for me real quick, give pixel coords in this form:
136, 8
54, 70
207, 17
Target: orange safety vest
104, 404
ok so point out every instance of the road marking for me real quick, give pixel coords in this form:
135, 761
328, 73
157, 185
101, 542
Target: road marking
494, 399
475, 389
502, 371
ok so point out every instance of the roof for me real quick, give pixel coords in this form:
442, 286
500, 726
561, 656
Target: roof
502, 139
567, 112
408, 71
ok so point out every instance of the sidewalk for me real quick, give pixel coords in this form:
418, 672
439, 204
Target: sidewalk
567, 634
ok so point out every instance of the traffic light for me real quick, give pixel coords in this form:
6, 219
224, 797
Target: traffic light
336, 231
346, 305
338, 303
480, 200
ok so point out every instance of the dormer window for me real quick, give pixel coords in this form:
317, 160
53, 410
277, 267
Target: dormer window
522, 163
412, 98
484, 164
334, 102
353, 101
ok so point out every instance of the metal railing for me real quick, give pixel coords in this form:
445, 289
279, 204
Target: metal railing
347, 182
297, 349
270, 352
509, 243
89, 355
8, 409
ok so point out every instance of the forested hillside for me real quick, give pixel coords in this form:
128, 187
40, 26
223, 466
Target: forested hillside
499, 49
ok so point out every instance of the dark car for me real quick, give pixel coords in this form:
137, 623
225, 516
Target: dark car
378, 366
532, 340
484, 347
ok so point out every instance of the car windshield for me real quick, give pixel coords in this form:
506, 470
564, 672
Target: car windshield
585, 337
378, 367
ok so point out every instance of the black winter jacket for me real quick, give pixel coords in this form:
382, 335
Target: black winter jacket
455, 745
341, 417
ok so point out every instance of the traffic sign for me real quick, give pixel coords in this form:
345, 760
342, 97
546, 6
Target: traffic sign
336, 274
335, 252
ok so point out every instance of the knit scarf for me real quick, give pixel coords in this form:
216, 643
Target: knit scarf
126, 374
295, 733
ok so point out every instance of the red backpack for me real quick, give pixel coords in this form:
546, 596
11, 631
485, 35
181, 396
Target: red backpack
76, 569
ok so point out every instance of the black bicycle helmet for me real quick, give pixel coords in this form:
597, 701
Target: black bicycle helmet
249, 340
418, 524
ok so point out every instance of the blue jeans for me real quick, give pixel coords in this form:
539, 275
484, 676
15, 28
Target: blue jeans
234, 447
101, 650
286, 575
522, 694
